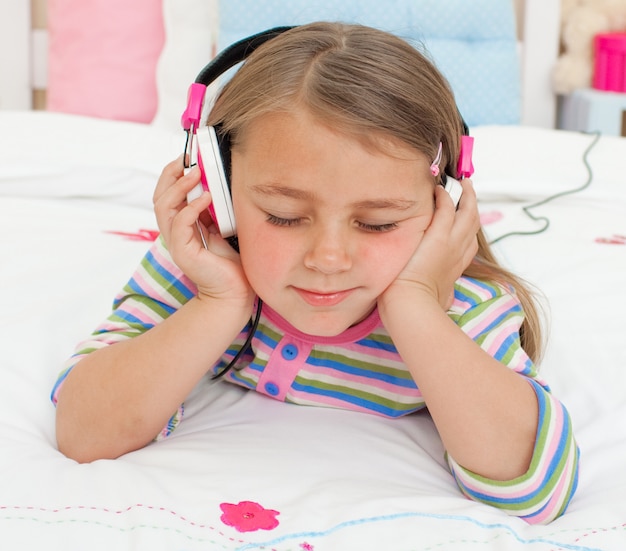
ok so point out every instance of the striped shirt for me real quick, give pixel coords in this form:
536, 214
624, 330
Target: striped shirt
361, 370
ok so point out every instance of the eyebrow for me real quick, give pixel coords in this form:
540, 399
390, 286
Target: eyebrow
302, 195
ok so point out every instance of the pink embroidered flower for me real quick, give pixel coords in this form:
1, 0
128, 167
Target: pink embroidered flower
248, 516
490, 217
613, 240
306, 547
140, 235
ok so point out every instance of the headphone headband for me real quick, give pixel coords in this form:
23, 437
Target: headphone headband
239, 51
236, 53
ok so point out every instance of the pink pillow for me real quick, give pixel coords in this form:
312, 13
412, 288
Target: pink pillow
103, 56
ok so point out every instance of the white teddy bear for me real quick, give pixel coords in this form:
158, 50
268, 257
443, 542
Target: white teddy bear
581, 20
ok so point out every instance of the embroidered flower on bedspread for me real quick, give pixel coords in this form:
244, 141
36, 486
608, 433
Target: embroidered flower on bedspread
613, 240
248, 516
142, 234
490, 217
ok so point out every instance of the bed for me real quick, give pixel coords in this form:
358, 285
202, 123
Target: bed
244, 472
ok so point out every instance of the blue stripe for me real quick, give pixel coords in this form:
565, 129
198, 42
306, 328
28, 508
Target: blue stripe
129, 318
529, 370
506, 345
351, 399
133, 286
378, 345
169, 277
60, 382
460, 294
369, 374
233, 376
497, 321
265, 339
550, 473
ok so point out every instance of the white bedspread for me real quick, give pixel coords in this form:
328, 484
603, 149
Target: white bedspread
75, 218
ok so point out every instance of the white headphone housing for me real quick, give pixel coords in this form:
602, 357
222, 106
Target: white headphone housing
213, 179
455, 189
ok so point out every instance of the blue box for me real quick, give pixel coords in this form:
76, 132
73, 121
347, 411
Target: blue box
587, 110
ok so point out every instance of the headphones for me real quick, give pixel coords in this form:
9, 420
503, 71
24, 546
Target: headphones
210, 149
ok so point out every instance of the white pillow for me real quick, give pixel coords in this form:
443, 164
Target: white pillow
191, 34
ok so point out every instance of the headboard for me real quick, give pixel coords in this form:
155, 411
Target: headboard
23, 48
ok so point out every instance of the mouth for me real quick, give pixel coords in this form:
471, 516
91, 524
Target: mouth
317, 298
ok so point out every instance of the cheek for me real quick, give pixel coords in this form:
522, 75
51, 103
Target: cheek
391, 255
265, 259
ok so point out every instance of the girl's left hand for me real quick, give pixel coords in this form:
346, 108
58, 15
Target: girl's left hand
445, 251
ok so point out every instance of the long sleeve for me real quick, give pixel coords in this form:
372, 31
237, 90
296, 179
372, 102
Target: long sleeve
492, 317
156, 289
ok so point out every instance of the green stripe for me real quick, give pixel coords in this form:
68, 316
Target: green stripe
269, 331
399, 373
555, 475
350, 391
151, 304
84, 351
383, 338
163, 283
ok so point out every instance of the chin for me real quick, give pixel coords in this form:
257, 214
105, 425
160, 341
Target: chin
323, 324
318, 328
317, 322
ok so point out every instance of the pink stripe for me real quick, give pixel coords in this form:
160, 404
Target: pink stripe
370, 384
462, 305
472, 285
327, 401
144, 317
504, 333
539, 475
553, 506
148, 286
376, 353
262, 349
551, 448
165, 260
101, 339
487, 318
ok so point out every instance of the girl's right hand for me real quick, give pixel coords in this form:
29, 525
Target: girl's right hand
216, 270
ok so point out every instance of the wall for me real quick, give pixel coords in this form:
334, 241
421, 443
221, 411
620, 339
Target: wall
39, 22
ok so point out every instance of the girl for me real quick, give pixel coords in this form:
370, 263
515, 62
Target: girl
373, 293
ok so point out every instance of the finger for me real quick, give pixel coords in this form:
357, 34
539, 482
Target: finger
195, 209
172, 196
468, 217
177, 191
170, 173
468, 199
187, 222
172, 200
444, 214
184, 223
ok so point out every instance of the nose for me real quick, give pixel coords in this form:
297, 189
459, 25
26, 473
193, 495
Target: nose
328, 251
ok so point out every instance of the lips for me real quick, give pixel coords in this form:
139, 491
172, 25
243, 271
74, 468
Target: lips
317, 298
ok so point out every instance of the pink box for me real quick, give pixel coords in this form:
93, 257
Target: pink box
609, 72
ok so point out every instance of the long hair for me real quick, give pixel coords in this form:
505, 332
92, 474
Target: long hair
371, 85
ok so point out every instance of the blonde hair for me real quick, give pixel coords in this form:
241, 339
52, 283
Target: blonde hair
369, 84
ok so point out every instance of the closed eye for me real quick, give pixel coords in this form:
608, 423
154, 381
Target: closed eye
283, 222
377, 227
373, 228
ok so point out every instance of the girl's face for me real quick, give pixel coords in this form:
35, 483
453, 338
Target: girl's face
325, 223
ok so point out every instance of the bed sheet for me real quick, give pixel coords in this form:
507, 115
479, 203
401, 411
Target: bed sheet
244, 472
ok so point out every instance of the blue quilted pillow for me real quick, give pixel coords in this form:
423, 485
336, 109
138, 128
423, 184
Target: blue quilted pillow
472, 42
